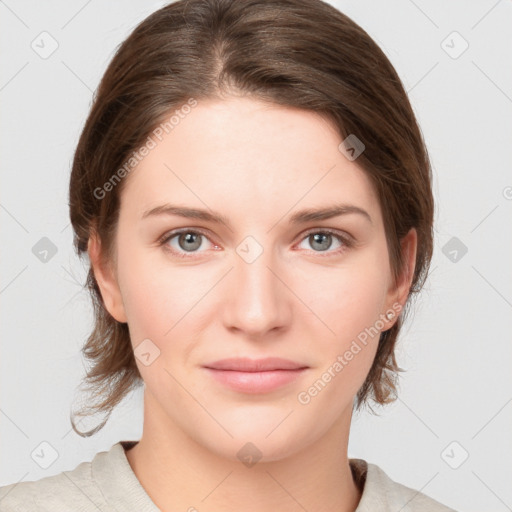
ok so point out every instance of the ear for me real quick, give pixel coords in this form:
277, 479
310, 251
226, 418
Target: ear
106, 279
399, 291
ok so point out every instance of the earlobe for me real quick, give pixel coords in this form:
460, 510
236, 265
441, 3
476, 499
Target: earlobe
399, 292
106, 279
409, 246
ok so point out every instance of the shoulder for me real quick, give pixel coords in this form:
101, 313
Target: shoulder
380, 492
69, 490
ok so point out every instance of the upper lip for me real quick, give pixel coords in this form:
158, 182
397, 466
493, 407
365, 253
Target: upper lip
245, 364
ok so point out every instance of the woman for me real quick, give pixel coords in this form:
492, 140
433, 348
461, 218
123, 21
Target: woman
253, 192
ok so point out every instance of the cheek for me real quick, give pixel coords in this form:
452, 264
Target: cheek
350, 308
162, 300
152, 298
348, 299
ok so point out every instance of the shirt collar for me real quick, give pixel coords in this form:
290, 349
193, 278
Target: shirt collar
122, 489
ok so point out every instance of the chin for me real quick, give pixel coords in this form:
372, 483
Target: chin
254, 449
267, 441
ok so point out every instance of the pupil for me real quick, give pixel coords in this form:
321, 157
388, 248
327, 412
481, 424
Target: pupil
323, 245
192, 241
190, 238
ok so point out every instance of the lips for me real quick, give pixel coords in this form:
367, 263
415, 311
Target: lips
255, 376
255, 365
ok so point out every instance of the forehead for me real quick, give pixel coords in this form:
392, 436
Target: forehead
243, 152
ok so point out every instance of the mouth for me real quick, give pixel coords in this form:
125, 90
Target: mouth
255, 376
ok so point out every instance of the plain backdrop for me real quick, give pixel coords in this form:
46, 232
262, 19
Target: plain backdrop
448, 435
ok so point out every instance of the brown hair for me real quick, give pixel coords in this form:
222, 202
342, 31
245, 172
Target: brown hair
299, 53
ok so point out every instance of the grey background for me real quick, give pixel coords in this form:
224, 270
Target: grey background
457, 349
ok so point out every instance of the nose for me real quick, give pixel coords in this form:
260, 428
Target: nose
258, 301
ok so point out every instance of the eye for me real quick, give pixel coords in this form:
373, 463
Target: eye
322, 241
184, 241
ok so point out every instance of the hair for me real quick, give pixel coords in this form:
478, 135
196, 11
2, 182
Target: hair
298, 53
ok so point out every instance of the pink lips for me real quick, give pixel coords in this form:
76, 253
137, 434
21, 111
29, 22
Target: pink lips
255, 375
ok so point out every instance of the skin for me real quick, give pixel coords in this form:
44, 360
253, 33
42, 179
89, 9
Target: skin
256, 164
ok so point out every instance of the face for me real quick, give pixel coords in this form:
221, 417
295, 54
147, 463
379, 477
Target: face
263, 282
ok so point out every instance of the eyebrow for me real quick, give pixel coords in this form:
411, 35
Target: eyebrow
300, 217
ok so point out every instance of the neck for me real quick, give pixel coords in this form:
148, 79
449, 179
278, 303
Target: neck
178, 473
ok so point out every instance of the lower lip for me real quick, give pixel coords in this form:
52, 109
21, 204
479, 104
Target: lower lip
255, 382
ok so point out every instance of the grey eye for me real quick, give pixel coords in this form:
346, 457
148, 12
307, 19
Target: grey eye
189, 241
320, 241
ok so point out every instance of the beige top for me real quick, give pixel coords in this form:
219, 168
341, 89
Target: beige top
108, 483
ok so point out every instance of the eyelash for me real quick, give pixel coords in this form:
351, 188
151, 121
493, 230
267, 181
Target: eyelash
345, 240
